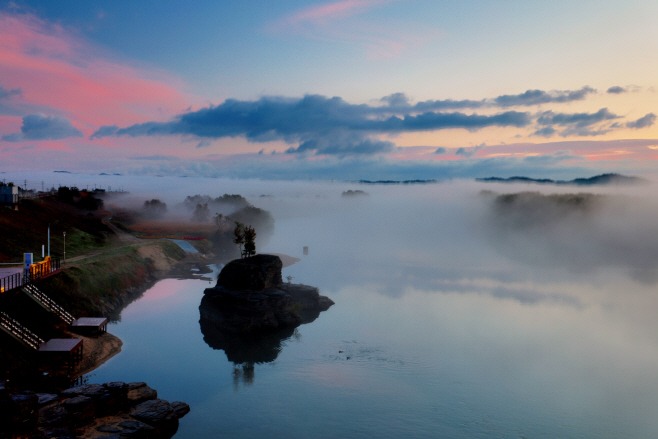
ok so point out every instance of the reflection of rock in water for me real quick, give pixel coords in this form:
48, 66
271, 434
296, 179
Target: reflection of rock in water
245, 373
259, 347
251, 313
243, 349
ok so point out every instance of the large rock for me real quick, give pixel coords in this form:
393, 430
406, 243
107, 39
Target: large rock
251, 298
154, 412
81, 408
158, 413
252, 274
115, 398
112, 410
140, 392
53, 415
180, 408
24, 409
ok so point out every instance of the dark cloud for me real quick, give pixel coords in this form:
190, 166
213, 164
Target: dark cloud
550, 159
315, 124
104, 131
447, 104
536, 97
42, 127
616, 90
203, 144
343, 144
528, 98
469, 152
396, 99
545, 132
440, 150
5, 93
643, 122
574, 124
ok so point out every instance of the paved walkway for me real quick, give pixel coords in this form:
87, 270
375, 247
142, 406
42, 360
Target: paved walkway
8, 270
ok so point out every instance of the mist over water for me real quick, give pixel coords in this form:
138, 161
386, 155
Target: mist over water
461, 316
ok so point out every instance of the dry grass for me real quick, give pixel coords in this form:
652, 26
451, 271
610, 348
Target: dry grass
158, 227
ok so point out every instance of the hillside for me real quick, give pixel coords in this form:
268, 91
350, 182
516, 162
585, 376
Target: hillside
26, 230
602, 179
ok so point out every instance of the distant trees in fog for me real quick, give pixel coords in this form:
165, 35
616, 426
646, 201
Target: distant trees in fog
154, 209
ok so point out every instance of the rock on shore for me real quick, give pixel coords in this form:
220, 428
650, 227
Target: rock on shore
251, 297
110, 410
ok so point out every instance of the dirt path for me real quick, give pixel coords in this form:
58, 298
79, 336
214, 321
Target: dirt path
124, 239
123, 236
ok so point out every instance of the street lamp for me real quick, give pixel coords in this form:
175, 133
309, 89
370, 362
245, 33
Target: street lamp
64, 246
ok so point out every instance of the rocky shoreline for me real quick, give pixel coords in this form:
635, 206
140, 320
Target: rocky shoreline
110, 410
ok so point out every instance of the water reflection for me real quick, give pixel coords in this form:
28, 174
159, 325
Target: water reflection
245, 350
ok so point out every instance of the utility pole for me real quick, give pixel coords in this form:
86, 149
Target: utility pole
48, 239
64, 246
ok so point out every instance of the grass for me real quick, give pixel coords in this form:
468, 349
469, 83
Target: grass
26, 230
101, 283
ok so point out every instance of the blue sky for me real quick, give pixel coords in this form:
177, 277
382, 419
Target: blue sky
120, 65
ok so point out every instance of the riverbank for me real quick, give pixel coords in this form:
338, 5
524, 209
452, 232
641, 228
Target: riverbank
109, 410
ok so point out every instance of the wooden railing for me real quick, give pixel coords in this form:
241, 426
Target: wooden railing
19, 331
47, 302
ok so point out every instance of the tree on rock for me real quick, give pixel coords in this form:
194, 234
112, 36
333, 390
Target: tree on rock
249, 241
238, 235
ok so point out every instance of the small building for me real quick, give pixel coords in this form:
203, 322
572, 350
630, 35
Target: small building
8, 194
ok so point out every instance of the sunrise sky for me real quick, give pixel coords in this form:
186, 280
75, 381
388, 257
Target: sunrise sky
353, 89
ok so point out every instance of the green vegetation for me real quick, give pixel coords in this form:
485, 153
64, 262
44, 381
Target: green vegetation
203, 246
295, 308
102, 282
26, 230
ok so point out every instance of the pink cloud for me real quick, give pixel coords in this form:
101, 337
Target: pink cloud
332, 11
56, 68
334, 22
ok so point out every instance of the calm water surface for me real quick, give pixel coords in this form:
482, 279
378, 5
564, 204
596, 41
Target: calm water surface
437, 331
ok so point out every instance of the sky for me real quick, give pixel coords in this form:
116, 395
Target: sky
347, 90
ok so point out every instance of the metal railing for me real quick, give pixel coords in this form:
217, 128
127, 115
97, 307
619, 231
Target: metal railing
36, 272
10, 282
49, 303
19, 331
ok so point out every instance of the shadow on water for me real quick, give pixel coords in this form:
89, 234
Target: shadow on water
245, 350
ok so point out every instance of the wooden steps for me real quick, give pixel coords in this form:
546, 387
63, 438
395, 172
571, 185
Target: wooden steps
42, 299
19, 332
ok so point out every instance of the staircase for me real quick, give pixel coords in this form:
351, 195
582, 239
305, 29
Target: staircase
19, 332
39, 296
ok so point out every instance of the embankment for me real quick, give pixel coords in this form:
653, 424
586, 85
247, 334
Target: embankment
103, 284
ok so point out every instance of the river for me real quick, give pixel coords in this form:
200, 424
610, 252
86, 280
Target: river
437, 331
